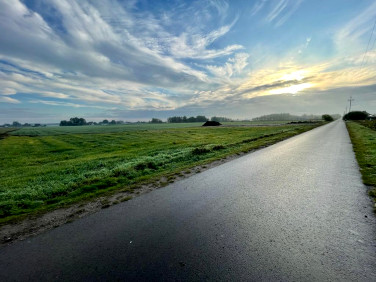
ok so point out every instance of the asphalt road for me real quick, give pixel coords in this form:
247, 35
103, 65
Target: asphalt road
295, 211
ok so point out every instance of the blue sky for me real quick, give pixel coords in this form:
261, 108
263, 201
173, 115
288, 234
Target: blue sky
134, 60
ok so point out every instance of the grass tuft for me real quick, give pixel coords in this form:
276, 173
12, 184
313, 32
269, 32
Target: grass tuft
200, 151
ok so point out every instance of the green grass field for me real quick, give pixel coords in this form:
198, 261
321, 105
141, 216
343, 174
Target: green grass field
364, 142
5, 131
97, 129
44, 168
64, 130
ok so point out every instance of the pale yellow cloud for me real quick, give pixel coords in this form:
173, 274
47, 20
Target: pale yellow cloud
292, 78
293, 89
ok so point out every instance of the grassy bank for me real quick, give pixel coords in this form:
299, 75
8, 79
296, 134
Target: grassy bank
51, 167
363, 139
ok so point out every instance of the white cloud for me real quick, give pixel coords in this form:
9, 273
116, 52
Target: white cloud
351, 37
54, 94
359, 25
8, 91
65, 104
282, 11
9, 100
195, 46
233, 66
277, 10
90, 46
100, 49
258, 7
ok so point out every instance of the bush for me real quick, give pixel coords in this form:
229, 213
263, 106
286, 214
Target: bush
327, 117
212, 123
356, 115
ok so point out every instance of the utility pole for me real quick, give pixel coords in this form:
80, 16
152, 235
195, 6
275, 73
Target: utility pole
350, 100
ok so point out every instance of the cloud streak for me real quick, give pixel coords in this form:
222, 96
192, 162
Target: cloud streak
278, 12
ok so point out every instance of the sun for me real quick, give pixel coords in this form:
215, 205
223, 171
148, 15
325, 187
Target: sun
295, 78
293, 89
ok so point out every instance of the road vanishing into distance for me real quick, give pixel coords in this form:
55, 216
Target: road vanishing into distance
295, 211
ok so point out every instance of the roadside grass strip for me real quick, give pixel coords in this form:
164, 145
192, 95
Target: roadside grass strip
363, 139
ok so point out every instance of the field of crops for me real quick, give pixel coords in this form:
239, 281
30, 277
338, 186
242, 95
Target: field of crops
42, 168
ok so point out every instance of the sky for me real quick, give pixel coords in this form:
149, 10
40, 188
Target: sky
133, 60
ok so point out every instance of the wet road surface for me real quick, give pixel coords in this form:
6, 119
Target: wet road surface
295, 211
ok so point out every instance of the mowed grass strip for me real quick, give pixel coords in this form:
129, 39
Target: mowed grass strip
47, 171
364, 143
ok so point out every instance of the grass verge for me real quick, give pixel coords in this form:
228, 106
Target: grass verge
363, 139
42, 172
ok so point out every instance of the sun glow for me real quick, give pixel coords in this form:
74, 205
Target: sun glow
293, 89
297, 75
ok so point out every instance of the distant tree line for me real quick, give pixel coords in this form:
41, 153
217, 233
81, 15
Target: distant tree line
221, 119
18, 124
286, 117
73, 122
185, 119
156, 120
81, 121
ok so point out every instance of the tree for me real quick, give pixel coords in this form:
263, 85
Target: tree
285, 117
201, 119
356, 115
73, 122
77, 121
327, 117
220, 119
190, 119
155, 120
112, 122
185, 119
16, 124
105, 121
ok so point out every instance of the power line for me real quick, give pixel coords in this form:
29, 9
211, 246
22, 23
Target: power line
369, 40
373, 44
364, 56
